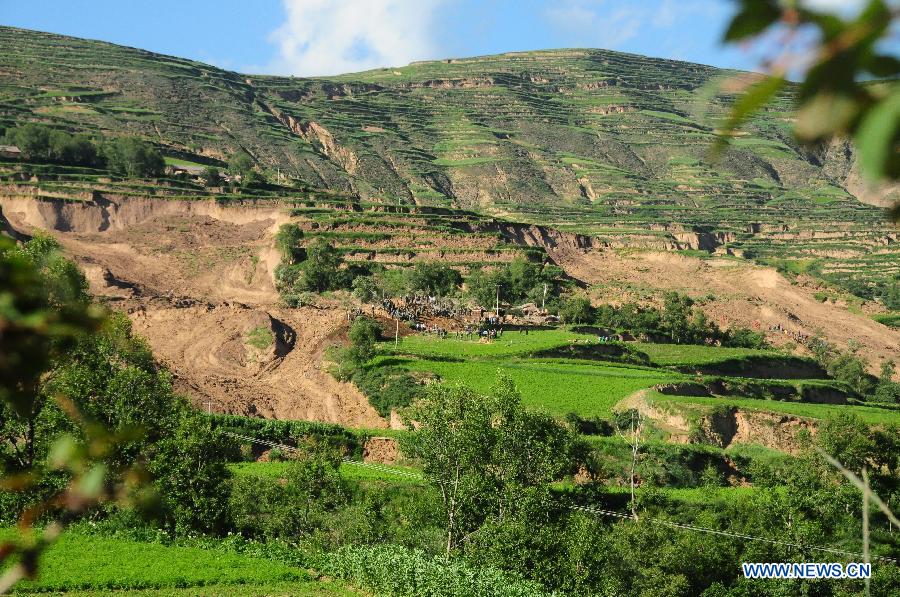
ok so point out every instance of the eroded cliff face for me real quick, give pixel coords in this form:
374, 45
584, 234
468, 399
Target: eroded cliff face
196, 279
724, 427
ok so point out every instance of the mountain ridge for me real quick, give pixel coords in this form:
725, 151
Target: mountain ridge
607, 144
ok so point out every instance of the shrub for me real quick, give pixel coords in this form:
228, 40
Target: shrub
294, 506
435, 279
394, 570
364, 333
576, 310
287, 240
189, 472
132, 157
387, 388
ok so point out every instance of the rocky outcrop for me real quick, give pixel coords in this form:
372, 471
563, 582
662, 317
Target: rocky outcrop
540, 236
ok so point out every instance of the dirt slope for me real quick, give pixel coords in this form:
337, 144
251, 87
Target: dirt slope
196, 280
744, 294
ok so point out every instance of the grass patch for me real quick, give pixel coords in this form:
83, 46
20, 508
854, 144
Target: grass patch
555, 387
869, 414
93, 563
261, 338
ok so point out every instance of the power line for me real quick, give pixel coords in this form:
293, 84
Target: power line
690, 527
601, 511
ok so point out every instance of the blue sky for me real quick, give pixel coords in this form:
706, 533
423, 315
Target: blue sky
321, 37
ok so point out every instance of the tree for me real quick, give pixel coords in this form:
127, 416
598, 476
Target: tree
847, 367
363, 334
435, 279
482, 285
287, 240
293, 507
190, 475
364, 289
576, 310
32, 139
487, 457
321, 268
887, 391
211, 176
131, 157
675, 317
242, 165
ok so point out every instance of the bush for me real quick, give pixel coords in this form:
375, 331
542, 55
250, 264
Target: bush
394, 570
435, 279
43, 144
387, 388
288, 240
189, 473
519, 281
364, 333
134, 158
576, 310
294, 506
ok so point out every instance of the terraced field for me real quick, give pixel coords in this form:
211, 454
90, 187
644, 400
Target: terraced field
745, 378
611, 145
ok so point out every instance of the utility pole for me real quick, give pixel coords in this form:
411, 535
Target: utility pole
544, 302
397, 334
498, 302
209, 407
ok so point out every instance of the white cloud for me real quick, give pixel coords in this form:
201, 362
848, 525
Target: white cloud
588, 22
328, 37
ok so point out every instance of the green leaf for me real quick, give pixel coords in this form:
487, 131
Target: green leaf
876, 137
754, 17
884, 66
63, 451
91, 483
824, 114
756, 96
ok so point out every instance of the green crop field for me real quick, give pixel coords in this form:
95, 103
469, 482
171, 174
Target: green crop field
80, 562
869, 414
555, 387
685, 354
511, 344
349, 470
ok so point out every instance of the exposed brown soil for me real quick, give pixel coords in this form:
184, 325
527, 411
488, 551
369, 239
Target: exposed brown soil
383, 450
739, 294
196, 279
734, 426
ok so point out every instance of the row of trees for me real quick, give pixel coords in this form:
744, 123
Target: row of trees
124, 156
491, 468
848, 367
679, 321
320, 267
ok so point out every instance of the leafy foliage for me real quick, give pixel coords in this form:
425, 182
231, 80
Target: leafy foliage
131, 157
487, 456
836, 96
393, 570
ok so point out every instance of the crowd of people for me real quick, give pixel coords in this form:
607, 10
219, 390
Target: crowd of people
796, 335
416, 307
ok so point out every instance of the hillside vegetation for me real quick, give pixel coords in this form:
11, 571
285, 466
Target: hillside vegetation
609, 144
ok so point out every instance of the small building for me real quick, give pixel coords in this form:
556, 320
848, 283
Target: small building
196, 171
10, 151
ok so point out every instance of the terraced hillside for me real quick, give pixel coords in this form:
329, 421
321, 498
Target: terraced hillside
612, 145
